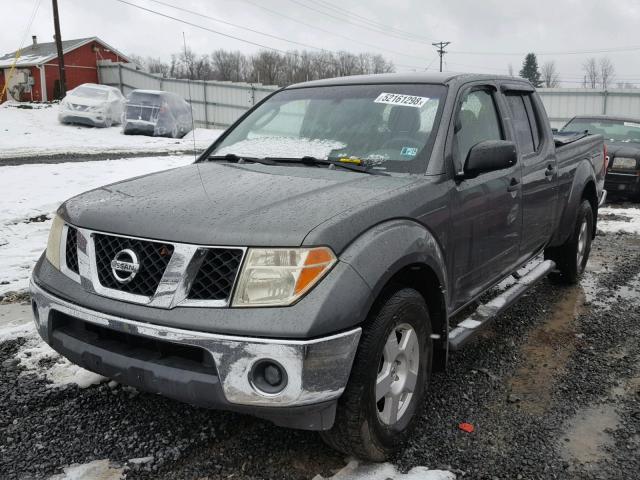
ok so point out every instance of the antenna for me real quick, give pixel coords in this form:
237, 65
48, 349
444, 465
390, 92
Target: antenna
193, 124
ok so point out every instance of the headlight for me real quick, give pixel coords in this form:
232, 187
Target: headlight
280, 276
625, 163
53, 245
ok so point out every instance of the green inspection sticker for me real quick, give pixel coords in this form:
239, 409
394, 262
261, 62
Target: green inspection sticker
409, 151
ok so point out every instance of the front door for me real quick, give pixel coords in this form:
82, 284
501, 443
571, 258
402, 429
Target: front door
486, 210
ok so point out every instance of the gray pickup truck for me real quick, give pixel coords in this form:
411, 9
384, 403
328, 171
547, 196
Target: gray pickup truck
321, 258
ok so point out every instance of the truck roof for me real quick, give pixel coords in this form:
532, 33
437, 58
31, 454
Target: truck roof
442, 78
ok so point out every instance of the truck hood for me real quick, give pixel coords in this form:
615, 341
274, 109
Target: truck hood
227, 204
623, 149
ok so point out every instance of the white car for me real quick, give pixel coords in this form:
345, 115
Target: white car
92, 104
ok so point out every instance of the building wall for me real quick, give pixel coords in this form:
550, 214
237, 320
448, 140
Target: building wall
81, 66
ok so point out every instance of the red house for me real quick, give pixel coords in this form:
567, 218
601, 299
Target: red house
35, 77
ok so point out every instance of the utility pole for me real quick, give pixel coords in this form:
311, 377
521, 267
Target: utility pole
56, 26
440, 49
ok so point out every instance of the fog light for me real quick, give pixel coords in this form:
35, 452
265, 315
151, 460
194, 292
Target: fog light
268, 377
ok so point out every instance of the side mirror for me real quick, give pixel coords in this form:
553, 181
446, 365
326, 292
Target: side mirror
554, 130
490, 155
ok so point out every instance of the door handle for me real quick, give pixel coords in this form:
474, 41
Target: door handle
549, 171
514, 185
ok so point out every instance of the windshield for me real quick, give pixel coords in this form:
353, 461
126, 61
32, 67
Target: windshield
89, 92
389, 127
145, 98
613, 130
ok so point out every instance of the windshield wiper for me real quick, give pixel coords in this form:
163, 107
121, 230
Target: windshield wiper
232, 157
309, 160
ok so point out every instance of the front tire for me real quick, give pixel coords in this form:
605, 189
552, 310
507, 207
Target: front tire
571, 257
386, 389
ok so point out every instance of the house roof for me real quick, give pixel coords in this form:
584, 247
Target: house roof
44, 52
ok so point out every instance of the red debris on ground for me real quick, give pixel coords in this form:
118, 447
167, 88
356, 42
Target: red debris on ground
466, 427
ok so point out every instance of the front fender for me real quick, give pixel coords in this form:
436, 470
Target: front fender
382, 251
571, 200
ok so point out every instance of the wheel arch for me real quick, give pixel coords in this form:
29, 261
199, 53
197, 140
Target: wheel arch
407, 255
582, 187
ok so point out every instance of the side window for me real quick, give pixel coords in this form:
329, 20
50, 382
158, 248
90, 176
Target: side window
533, 121
521, 123
477, 121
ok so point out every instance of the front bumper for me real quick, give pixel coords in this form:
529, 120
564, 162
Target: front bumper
622, 183
93, 119
317, 370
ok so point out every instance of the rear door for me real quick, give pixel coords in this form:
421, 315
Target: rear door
486, 209
539, 171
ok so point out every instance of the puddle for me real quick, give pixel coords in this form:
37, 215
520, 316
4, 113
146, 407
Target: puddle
586, 437
546, 353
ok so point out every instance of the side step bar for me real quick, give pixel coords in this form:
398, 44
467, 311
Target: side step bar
467, 329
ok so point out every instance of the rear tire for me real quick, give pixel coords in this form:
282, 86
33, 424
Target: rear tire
571, 257
386, 389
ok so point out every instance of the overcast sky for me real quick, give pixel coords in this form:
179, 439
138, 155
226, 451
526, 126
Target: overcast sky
486, 36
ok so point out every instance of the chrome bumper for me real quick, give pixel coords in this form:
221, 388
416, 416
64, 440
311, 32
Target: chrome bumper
317, 370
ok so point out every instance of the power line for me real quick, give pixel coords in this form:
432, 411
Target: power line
386, 30
224, 22
261, 45
315, 27
370, 21
570, 52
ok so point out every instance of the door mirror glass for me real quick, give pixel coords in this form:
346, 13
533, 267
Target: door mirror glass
490, 155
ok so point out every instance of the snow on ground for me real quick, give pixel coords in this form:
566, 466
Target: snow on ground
96, 470
29, 191
613, 219
386, 471
26, 132
39, 358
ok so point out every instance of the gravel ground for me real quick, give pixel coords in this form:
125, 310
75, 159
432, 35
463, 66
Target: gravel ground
552, 388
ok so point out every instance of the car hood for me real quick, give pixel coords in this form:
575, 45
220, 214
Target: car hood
227, 204
623, 149
86, 101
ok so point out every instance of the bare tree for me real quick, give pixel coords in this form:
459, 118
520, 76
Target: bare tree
606, 71
591, 73
229, 66
266, 66
626, 85
550, 76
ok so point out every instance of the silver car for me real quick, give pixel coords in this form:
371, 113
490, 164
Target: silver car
156, 113
92, 104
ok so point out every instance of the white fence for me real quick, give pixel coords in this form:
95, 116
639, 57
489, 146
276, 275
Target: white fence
215, 104
564, 103
219, 104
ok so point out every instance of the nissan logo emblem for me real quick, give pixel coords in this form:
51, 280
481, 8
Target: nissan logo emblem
125, 265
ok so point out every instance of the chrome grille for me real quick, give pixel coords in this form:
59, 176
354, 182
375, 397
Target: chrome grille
71, 250
216, 275
153, 257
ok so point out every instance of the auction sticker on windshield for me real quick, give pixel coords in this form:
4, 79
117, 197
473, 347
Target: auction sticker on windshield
400, 99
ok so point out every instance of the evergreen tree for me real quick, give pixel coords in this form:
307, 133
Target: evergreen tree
530, 70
